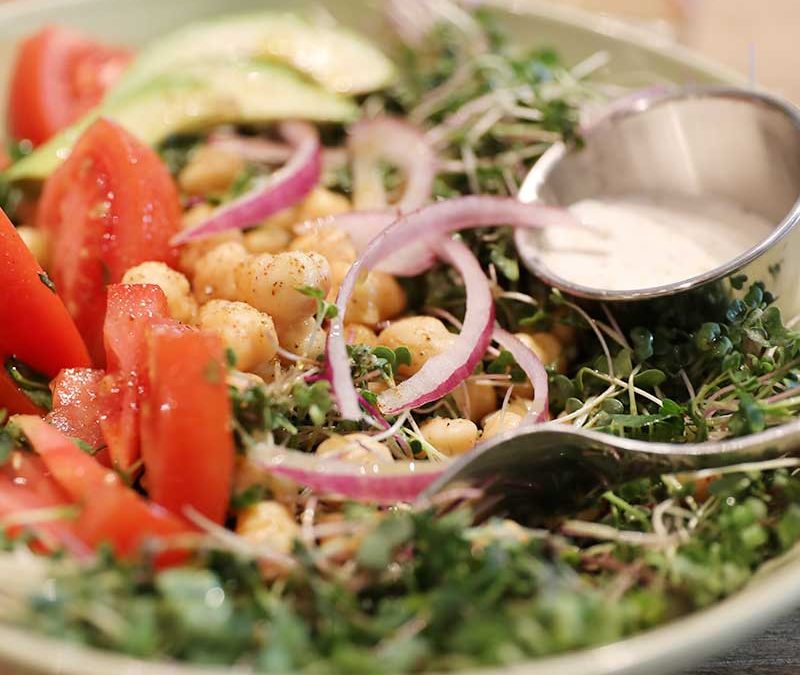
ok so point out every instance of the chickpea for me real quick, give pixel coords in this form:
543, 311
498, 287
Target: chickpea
391, 298
323, 202
519, 406
563, 331
268, 523
354, 448
192, 251
285, 218
450, 436
267, 239
376, 297
269, 283
210, 170
500, 421
424, 336
213, 273
36, 241
359, 334
331, 242
475, 400
250, 334
182, 305
303, 337
546, 346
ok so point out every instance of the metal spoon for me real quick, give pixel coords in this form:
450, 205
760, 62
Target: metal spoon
734, 144
554, 467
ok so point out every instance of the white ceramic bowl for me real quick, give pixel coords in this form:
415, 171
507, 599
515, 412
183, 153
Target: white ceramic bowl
636, 58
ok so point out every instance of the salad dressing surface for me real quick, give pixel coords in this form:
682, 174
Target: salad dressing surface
634, 242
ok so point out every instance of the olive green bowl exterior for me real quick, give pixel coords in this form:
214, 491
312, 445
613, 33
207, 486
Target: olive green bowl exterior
636, 58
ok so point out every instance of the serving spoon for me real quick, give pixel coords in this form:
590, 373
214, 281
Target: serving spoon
734, 144
552, 468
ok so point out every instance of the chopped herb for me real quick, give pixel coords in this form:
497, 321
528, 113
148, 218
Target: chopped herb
47, 281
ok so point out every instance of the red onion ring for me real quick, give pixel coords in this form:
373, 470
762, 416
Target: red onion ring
444, 372
401, 144
533, 368
285, 187
426, 224
378, 482
362, 227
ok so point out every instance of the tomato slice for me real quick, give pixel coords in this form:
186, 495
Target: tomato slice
187, 443
112, 512
110, 206
77, 406
132, 311
35, 326
59, 74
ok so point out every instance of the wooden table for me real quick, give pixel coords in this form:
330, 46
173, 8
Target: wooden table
774, 652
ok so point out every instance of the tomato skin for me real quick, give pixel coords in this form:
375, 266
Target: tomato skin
77, 406
58, 76
111, 511
187, 443
132, 310
110, 206
35, 326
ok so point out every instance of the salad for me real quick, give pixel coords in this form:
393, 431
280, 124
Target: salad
258, 288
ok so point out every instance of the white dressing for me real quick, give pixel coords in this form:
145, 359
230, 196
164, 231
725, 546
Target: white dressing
634, 242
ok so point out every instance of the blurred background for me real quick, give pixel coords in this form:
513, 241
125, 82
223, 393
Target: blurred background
758, 35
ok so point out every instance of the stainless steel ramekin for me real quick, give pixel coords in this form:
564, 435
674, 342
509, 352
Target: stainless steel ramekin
736, 145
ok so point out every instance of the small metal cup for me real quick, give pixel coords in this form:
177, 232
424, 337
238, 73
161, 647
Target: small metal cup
739, 146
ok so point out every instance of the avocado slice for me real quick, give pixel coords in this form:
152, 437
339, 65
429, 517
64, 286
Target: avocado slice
194, 98
334, 57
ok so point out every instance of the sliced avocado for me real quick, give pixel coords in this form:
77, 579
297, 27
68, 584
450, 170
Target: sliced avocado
335, 57
198, 97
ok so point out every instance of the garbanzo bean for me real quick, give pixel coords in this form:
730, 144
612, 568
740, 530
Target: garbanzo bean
354, 448
376, 297
546, 346
303, 338
424, 336
500, 421
331, 242
450, 436
36, 241
267, 239
475, 400
250, 334
192, 251
213, 273
210, 170
323, 202
359, 334
268, 523
182, 305
269, 283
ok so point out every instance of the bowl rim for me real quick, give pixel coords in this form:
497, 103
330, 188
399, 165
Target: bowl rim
669, 646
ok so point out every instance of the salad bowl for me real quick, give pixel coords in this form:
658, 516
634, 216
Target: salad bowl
634, 59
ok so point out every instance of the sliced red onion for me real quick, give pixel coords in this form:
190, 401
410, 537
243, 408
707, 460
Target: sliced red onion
400, 143
444, 372
379, 482
363, 226
533, 368
252, 148
271, 194
425, 225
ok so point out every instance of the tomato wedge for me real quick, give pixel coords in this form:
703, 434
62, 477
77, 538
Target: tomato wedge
59, 74
187, 443
35, 327
77, 406
132, 311
110, 206
112, 512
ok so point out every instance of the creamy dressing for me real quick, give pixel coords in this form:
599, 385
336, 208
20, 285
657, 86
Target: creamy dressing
634, 242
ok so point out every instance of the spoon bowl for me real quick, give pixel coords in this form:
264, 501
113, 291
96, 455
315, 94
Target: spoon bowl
552, 468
